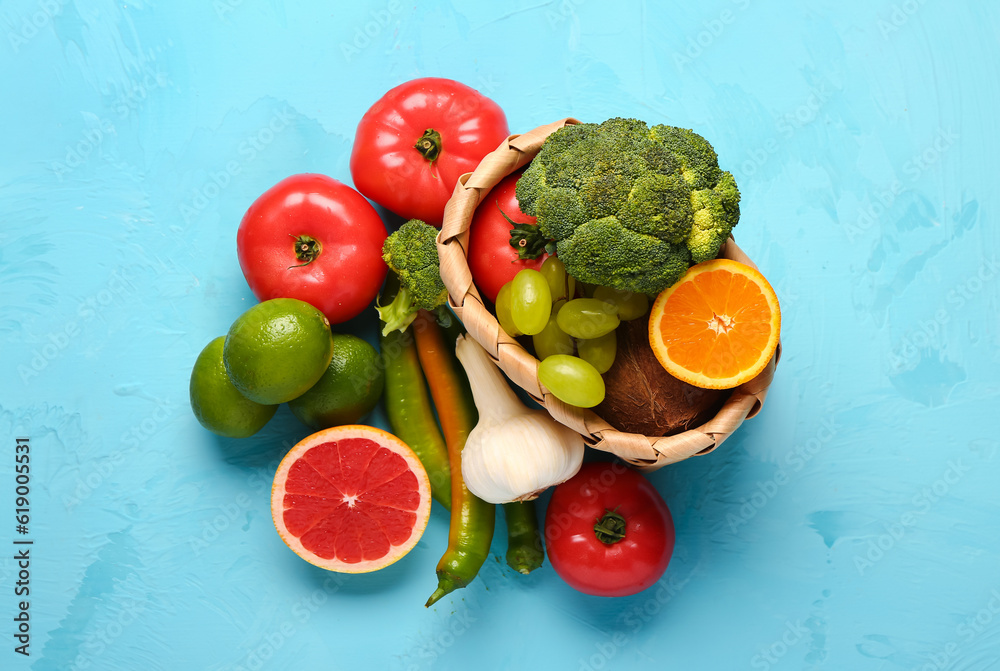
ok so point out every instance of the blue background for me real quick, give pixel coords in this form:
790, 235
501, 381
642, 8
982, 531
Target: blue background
852, 525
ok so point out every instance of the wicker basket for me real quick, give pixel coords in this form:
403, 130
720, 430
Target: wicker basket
645, 452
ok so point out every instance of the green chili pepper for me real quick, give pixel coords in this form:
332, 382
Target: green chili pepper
524, 542
410, 413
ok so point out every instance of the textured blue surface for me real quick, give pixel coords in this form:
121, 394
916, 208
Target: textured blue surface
852, 525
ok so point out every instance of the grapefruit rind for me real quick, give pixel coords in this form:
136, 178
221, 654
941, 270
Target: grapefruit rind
698, 379
383, 439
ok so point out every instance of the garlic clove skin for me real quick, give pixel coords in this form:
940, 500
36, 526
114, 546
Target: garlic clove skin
520, 458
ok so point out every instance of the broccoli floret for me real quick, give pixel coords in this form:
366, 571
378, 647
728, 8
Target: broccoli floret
530, 185
716, 211
604, 252
629, 206
411, 253
611, 176
562, 211
699, 163
659, 205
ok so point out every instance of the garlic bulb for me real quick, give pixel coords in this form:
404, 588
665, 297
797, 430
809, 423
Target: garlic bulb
513, 453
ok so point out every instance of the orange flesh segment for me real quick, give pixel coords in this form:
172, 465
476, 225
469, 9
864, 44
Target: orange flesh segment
350, 499
716, 323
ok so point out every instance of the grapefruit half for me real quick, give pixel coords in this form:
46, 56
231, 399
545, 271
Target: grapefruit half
351, 499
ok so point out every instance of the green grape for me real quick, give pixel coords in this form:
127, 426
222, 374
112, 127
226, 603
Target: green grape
503, 311
551, 340
572, 380
629, 305
587, 318
560, 284
599, 352
530, 301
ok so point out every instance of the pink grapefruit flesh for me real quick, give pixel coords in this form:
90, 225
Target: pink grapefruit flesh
351, 499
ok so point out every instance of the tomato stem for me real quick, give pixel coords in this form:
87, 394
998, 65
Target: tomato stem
429, 144
610, 528
307, 249
527, 239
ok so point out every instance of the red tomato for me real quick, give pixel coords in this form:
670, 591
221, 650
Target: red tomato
415, 142
492, 260
313, 238
612, 566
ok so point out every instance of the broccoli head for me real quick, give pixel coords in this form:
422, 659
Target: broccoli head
629, 206
411, 254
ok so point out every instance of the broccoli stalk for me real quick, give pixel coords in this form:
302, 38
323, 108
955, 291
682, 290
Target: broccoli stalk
411, 254
629, 206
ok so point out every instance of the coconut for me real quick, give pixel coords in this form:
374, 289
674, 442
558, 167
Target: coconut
641, 397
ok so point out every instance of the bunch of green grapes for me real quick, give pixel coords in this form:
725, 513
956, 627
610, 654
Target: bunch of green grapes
574, 338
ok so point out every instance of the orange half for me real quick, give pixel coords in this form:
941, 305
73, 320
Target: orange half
351, 499
717, 327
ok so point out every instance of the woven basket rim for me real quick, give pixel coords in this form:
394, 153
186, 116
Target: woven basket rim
645, 452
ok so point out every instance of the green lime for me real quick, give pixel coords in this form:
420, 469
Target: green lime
217, 404
349, 389
277, 350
